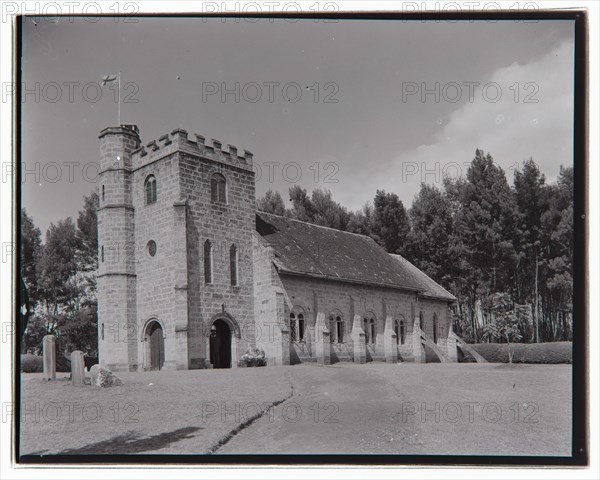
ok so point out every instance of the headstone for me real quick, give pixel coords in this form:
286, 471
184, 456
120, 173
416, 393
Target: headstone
107, 379
94, 374
390, 344
49, 345
77, 366
359, 341
322, 342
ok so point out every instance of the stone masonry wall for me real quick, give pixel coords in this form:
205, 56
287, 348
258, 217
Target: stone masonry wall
268, 293
155, 275
116, 287
224, 225
346, 299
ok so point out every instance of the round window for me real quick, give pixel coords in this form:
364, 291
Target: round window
152, 248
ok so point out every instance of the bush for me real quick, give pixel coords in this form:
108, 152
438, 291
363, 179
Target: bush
63, 364
35, 364
32, 363
254, 357
90, 361
547, 353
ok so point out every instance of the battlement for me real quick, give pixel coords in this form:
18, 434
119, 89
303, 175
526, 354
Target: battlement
178, 140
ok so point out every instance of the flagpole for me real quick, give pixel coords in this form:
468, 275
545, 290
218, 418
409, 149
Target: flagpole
119, 107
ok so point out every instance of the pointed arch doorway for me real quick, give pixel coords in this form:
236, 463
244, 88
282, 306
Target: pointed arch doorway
155, 350
220, 344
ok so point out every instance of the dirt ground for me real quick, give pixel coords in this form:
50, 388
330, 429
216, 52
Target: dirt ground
474, 409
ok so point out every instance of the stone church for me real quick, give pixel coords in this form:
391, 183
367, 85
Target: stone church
191, 276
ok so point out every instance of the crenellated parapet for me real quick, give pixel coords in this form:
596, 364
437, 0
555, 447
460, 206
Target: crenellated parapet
179, 141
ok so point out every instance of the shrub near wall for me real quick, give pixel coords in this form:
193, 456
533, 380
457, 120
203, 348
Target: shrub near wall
548, 353
35, 364
32, 363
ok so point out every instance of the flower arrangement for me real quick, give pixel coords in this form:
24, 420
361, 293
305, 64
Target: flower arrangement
254, 357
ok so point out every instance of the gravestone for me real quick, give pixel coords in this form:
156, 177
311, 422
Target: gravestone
94, 374
49, 346
77, 365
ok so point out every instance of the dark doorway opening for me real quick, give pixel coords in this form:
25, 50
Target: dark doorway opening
157, 347
220, 345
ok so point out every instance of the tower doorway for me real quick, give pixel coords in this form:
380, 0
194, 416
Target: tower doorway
157, 346
220, 344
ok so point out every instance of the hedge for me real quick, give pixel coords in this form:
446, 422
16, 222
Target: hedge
35, 364
548, 353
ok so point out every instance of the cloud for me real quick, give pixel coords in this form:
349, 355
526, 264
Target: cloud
533, 117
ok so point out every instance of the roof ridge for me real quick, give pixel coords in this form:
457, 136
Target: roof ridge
315, 225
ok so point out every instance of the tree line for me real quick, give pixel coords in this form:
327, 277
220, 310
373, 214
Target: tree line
505, 251
60, 277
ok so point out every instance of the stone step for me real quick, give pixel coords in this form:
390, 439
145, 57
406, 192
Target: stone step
344, 359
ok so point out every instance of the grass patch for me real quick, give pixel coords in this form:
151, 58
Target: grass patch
185, 411
544, 353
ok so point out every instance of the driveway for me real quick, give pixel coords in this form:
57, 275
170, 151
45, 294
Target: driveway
475, 409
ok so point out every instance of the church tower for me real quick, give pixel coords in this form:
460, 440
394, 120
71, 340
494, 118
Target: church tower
116, 282
175, 273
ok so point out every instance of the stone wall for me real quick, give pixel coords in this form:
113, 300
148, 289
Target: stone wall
156, 274
272, 334
224, 225
314, 295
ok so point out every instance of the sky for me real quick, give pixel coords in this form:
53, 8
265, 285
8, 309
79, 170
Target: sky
351, 106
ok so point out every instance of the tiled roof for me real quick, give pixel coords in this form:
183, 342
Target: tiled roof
305, 249
430, 287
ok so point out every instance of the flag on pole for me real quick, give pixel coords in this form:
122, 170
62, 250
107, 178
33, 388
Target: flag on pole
109, 80
106, 79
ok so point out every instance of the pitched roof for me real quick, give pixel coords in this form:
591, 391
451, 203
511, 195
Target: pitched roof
430, 287
305, 249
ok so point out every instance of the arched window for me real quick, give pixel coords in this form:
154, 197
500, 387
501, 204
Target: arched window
336, 328
301, 327
373, 328
293, 328
233, 265
297, 327
218, 188
102, 192
150, 189
339, 329
421, 321
435, 328
397, 331
332, 328
208, 262
402, 332
102, 253
370, 330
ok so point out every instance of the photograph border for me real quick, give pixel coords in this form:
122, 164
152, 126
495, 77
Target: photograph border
580, 366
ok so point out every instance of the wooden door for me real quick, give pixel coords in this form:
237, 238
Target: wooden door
157, 347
